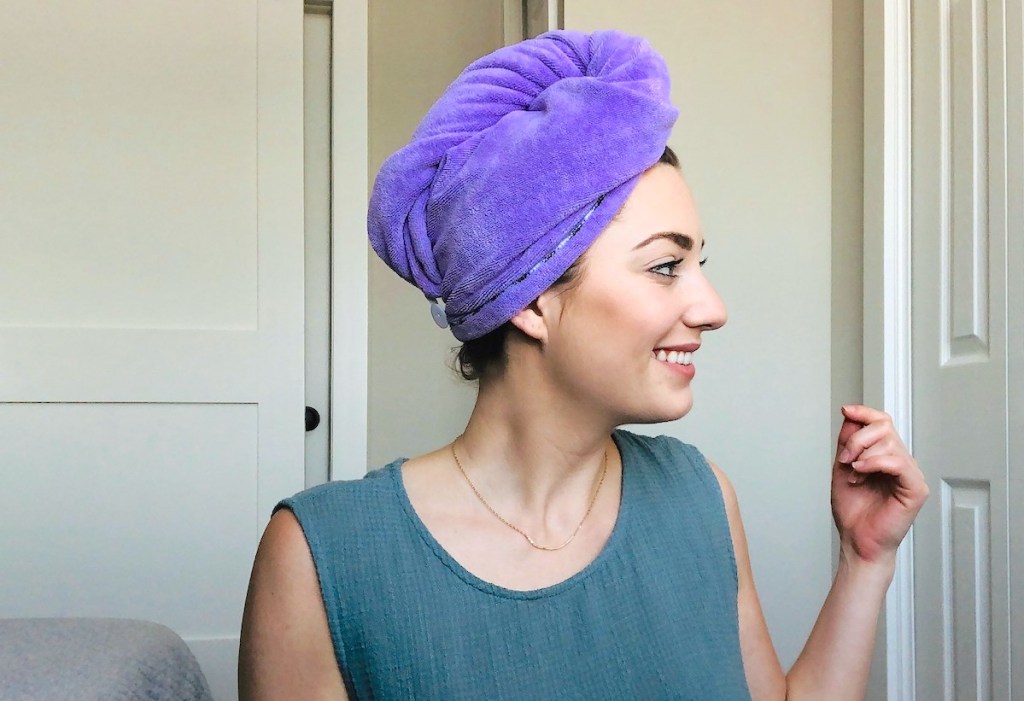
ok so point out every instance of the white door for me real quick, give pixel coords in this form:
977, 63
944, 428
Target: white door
966, 203
151, 354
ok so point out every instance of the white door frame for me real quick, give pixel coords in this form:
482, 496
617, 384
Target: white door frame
349, 243
887, 281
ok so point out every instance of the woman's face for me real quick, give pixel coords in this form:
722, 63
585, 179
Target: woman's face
626, 336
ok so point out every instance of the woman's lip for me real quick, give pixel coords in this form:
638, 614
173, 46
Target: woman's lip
685, 348
685, 370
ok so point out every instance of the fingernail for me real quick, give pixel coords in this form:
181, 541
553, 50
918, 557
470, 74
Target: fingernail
844, 455
857, 464
854, 478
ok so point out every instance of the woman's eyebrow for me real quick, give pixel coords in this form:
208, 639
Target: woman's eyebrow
682, 240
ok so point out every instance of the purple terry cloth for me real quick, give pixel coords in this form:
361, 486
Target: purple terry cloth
516, 169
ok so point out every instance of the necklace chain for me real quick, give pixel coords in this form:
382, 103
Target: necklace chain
590, 507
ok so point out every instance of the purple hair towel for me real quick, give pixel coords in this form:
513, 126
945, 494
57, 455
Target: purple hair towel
517, 168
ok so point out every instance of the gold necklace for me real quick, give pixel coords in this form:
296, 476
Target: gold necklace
518, 530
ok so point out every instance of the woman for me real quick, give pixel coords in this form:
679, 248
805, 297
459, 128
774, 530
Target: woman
544, 553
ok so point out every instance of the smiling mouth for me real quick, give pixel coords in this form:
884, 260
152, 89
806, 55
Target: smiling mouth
675, 357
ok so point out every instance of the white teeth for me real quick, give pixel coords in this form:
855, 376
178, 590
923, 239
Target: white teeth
677, 357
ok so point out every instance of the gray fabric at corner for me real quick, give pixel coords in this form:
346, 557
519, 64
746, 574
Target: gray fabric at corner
58, 659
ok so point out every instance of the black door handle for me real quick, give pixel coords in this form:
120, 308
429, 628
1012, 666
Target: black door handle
312, 418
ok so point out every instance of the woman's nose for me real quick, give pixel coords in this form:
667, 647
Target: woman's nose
706, 310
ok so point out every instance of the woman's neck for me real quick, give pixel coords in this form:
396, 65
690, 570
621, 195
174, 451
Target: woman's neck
535, 447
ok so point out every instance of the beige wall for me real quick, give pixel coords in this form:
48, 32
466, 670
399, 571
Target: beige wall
847, 237
416, 403
847, 200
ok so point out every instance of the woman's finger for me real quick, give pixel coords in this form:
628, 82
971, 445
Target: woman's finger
887, 445
864, 414
862, 439
889, 464
904, 469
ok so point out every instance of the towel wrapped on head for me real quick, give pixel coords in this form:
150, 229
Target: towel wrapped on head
517, 168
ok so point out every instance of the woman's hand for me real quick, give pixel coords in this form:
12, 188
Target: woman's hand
877, 487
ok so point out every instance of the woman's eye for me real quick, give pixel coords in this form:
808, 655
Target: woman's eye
667, 269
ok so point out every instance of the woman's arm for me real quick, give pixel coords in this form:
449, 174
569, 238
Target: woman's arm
837, 656
877, 490
285, 650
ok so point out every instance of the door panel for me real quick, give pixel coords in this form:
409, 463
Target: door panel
151, 353
1015, 332
124, 462
117, 115
959, 337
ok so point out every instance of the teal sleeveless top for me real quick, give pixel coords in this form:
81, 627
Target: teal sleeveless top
653, 616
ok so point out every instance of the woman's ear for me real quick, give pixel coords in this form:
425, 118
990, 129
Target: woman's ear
535, 321
531, 322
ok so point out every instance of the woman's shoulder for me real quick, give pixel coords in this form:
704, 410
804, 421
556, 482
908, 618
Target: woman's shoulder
666, 462
284, 620
372, 486
684, 495
662, 451
339, 511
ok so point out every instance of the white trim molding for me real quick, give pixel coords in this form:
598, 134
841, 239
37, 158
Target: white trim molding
513, 16
887, 282
350, 187
529, 18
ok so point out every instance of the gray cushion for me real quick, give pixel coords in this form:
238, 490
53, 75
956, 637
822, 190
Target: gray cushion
53, 659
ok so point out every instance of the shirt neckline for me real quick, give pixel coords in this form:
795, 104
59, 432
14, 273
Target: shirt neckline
606, 552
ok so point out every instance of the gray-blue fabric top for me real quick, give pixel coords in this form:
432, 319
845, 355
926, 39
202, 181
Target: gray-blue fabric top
654, 616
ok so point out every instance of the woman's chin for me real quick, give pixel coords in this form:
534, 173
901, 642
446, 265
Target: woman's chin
679, 413
679, 404
667, 411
